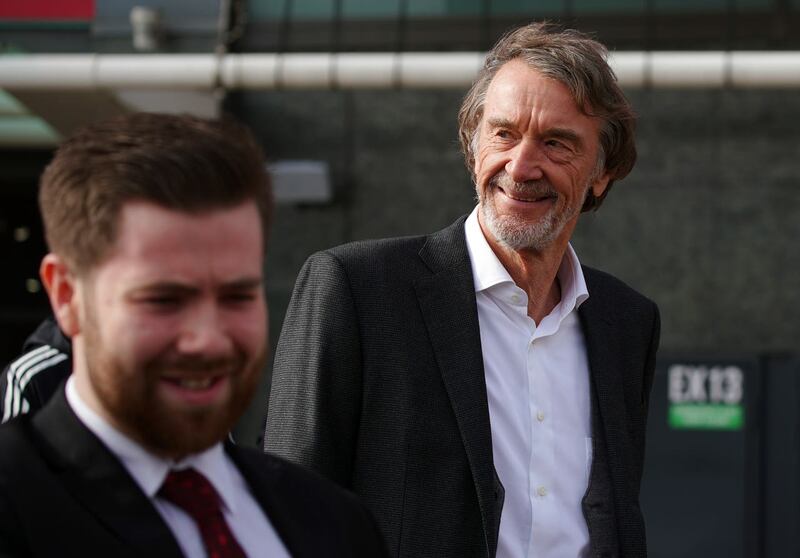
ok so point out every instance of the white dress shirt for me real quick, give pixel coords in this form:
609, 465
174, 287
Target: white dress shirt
247, 521
537, 383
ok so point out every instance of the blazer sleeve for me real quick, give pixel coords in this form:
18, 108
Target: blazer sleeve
316, 392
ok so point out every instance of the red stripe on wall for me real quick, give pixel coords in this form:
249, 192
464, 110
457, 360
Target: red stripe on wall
47, 9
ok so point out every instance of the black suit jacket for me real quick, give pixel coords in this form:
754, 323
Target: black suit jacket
63, 493
378, 383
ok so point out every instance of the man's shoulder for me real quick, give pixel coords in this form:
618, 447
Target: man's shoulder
360, 251
610, 290
303, 504
392, 251
14, 433
48, 333
27, 383
285, 476
310, 504
18, 452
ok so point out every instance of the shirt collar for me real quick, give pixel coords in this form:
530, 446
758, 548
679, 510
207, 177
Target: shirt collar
147, 469
487, 271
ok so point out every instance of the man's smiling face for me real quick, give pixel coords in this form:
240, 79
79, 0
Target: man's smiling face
173, 325
536, 158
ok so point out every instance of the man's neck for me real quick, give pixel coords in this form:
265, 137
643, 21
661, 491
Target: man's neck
534, 271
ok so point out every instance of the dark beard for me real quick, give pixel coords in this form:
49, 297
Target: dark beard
129, 399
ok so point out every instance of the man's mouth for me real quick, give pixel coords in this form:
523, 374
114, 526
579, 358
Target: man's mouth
196, 391
527, 198
195, 383
527, 192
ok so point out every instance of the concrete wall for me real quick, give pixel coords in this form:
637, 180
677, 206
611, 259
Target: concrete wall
706, 224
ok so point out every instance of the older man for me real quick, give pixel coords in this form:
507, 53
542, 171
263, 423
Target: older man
156, 229
484, 393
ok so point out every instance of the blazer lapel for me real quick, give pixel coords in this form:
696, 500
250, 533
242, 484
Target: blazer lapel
447, 301
603, 349
275, 499
94, 476
264, 486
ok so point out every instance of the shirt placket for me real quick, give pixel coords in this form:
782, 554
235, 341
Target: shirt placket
542, 455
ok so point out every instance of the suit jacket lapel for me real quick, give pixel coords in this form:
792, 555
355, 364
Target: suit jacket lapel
447, 301
603, 349
267, 491
94, 476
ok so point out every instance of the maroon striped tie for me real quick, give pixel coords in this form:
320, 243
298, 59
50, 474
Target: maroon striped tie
190, 490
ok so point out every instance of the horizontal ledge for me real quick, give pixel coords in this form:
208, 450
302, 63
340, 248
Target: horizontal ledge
418, 70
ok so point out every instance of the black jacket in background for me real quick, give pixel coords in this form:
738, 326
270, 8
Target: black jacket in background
29, 381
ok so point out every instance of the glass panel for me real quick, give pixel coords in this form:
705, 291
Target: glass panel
465, 7
609, 6
533, 9
260, 10
265, 9
426, 8
313, 9
370, 9
678, 6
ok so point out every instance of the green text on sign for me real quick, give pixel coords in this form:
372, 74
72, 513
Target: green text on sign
706, 417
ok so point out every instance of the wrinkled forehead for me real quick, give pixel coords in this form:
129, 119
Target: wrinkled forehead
521, 74
521, 93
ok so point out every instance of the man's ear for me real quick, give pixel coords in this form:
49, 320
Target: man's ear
59, 281
600, 184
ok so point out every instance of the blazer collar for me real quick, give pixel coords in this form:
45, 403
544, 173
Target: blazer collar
447, 301
94, 476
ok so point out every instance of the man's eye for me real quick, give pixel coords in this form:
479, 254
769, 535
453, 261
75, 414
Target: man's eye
161, 301
237, 298
503, 134
560, 147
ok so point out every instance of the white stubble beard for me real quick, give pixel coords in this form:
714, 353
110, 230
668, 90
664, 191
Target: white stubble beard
519, 234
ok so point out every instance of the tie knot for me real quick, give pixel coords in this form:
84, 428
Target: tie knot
190, 490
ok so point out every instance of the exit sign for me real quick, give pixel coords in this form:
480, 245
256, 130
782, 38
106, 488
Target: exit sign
703, 397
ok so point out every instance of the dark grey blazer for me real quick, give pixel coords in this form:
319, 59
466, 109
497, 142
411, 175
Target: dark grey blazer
63, 493
379, 384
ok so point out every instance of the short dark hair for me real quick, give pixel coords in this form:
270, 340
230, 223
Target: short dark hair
179, 162
579, 62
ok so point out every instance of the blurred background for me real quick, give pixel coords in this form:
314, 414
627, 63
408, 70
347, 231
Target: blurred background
355, 103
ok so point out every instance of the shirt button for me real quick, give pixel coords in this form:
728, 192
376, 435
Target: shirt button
540, 416
542, 491
515, 298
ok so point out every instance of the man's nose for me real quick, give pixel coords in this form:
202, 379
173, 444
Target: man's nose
204, 333
525, 162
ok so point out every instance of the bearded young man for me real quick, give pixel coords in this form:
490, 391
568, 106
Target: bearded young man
482, 392
156, 228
